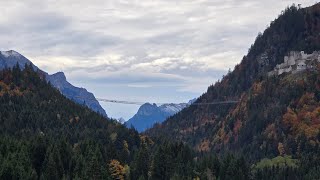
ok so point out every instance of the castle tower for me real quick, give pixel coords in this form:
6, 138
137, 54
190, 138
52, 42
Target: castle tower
301, 66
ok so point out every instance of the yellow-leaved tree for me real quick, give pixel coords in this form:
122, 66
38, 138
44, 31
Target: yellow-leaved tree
117, 171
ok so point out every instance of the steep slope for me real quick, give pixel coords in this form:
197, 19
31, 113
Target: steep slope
8, 59
215, 127
79, 95
44, 134
150, 114
278, 115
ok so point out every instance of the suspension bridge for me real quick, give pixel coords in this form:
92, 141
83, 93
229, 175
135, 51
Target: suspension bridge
141, 103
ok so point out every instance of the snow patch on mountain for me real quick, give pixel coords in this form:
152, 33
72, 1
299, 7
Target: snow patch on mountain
10, 53
172, 108
150, 114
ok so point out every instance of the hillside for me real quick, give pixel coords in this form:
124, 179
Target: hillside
272, 131
43, 134
248, 126
8, 59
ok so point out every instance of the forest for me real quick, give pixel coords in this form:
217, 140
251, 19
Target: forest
275, 124
263, 101
47, 136
272, 133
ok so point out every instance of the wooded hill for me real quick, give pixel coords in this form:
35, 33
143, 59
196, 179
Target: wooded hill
261, 122
272, 133
44, 135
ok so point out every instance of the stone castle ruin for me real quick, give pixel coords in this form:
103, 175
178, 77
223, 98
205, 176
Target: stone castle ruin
296, 62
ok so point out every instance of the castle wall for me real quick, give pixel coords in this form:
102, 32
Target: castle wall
301, 66
291, 62
295, 62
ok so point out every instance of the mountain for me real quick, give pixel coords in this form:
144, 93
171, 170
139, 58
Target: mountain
79, 95
270, 131
150, 114
44, 134
9, 59
275, 115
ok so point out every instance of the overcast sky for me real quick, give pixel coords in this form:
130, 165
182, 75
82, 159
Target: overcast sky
138, 50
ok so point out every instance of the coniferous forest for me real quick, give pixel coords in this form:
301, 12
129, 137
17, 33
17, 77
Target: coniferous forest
46, 136
273, 132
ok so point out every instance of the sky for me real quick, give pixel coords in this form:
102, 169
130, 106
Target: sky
147, 51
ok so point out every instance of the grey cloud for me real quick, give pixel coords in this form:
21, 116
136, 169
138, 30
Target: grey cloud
150, 50
200, 39
128, 77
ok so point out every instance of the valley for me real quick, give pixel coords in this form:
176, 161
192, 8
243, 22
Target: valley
260, 121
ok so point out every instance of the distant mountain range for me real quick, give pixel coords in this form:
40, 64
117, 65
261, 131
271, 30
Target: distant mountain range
9, 59
150, 114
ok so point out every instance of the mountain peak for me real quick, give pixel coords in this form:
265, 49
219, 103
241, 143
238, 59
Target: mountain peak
9, 59
149, 105
59, 75
10, 53
146, 108
149, 114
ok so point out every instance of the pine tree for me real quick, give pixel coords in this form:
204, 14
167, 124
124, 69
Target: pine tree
94, 170
53, 168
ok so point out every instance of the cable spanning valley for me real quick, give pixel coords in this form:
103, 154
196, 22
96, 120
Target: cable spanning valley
141, 103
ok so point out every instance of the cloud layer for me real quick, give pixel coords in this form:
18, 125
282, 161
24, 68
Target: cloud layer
137, 49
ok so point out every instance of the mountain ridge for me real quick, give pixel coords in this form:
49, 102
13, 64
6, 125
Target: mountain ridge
9, 59
45, 135
150, 114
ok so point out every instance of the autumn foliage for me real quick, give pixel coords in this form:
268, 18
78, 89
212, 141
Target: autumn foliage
305, 117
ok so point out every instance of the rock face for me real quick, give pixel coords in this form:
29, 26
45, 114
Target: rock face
8, 59
150, 114
79, 95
